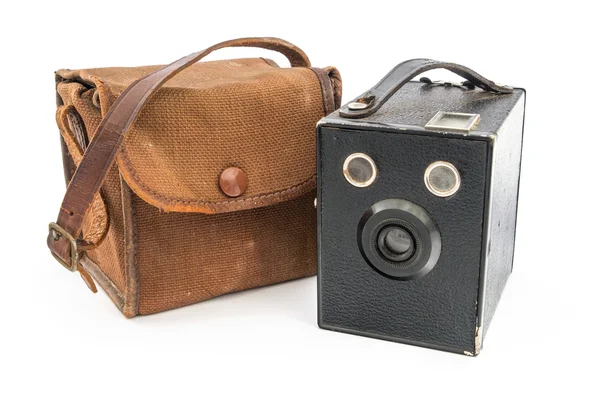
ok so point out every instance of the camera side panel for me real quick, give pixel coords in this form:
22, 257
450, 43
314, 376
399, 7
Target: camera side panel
503, 209
439, 308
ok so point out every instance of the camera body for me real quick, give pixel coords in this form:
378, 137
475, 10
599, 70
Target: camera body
417, 201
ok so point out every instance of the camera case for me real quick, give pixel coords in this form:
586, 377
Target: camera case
417, 189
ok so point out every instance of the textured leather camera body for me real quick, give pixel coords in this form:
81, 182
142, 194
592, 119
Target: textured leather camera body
444, 295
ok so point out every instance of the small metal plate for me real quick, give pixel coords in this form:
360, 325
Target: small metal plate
451, 121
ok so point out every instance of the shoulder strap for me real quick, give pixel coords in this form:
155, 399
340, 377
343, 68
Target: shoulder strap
63, 238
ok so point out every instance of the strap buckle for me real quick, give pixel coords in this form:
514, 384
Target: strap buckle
57, 231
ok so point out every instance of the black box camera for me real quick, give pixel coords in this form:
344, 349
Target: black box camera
417, 202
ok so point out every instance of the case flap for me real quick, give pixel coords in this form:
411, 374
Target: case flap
245, 113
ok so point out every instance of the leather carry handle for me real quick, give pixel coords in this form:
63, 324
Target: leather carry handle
63, 238
372, 100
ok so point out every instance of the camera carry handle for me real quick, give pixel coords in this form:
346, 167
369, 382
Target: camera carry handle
369, 102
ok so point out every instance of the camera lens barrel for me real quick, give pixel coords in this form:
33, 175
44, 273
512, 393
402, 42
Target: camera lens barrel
399, 239
395, 243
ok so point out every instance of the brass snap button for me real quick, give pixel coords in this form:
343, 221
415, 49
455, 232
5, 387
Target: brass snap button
233, 182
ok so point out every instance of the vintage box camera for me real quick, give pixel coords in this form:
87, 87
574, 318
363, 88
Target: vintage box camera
417, 202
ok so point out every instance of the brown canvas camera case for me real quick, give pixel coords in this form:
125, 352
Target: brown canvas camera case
190, 180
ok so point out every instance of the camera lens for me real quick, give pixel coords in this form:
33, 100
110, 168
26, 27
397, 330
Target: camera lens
398, 239
396, 243
359, 170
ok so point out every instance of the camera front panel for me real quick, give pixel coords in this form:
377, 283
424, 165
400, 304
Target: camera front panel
400, 247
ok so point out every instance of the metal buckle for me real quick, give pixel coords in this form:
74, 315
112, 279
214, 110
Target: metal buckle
57, 231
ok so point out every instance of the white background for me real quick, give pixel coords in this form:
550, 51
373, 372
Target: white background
57, 340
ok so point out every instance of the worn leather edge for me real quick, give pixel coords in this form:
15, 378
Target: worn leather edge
104, 281
69, 167
74, 135
68, 163
326, 89
336, 81
131, 301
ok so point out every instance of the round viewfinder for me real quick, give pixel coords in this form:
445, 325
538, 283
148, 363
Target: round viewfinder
359, 170
442, 179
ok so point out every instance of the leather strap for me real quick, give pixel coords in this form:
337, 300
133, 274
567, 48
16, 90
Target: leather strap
329, 105
71, 129
103, 149
372, 100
